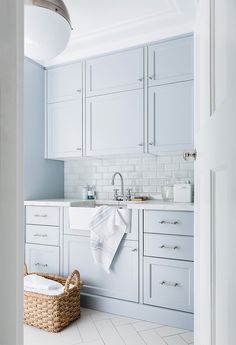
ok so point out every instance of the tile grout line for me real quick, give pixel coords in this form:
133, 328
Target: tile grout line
176, 335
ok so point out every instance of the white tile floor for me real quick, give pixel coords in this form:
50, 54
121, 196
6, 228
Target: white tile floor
97, 328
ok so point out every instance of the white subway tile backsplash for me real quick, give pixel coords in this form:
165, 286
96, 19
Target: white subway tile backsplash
144, 174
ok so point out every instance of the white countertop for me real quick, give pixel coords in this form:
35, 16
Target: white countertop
144, 205
54, 202
161, 205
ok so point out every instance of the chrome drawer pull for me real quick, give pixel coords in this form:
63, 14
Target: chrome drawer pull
40, 235
175, 222
41, 265
169, 247
169, 284
41, 215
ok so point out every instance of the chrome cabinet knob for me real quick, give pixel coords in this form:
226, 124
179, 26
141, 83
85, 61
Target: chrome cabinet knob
190, 155
151, 77
78, 149
79, 90
140, 80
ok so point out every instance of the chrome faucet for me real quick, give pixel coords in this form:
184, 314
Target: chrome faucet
116, 195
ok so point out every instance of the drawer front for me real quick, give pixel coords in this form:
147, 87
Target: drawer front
41, 234
43, 259
43, 215
169, 222
168, 246
168, 283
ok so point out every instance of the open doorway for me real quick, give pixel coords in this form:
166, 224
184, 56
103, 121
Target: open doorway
123, 113
209, 286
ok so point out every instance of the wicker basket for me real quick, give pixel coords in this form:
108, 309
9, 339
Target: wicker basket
53, 313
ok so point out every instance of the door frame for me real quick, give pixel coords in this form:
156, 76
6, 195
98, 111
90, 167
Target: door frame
11, 171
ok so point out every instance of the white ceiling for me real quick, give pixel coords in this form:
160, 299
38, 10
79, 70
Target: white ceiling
104, 25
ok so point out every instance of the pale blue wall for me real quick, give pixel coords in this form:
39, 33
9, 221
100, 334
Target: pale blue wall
42, 178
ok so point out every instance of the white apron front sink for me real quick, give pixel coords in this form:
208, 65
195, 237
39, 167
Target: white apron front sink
80, 217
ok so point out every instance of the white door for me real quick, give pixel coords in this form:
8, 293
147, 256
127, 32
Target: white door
215, 279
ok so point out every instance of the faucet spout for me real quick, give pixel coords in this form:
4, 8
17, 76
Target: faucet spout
121, 180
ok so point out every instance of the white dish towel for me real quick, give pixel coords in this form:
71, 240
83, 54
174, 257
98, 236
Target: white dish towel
106, 231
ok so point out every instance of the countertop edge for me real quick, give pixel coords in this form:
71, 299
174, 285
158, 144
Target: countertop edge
146, 205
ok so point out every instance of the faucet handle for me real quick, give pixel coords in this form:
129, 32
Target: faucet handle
116, 195
128, 194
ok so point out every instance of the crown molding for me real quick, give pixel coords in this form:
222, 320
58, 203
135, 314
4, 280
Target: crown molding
171, 10
171, 21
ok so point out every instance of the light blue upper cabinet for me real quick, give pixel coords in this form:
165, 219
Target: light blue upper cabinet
64, 129
170, 61
64, 83
170, 117
115, 72
114, 123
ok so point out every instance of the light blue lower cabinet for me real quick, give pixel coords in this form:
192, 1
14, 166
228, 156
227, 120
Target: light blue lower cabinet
168, 283
121, 283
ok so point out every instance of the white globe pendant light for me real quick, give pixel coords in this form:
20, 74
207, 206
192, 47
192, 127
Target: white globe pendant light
47, 28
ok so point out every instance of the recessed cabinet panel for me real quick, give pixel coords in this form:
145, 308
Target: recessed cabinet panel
65, 129
114, 72
170, 61
170, 117
122, 282
114, 123
64, 83
168, 283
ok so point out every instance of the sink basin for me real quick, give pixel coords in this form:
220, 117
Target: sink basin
81, 216
94, 203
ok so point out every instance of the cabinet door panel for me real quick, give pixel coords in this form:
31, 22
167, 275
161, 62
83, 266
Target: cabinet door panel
168, 283
114, 123
170, 61
64, 83
171, 117
65, 129
40, 258
122, 282
114, 72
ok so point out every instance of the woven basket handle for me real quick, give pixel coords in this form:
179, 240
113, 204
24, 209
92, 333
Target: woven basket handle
25, 270
75, 274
